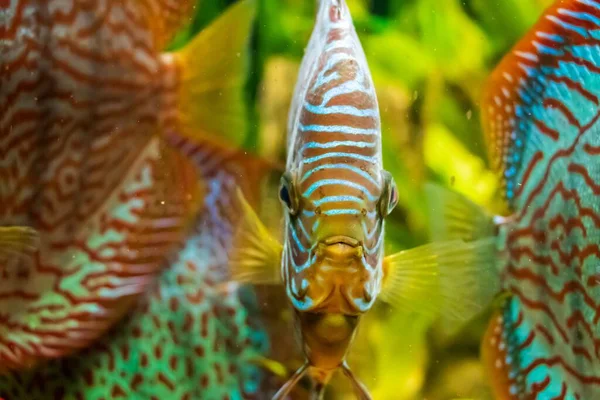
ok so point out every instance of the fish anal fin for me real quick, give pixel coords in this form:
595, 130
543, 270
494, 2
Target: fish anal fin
211, 76
454, 279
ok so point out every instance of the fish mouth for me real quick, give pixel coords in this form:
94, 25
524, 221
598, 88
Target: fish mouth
340, 250
340, 239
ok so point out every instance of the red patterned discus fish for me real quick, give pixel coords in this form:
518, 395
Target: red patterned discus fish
183, 339
541, 111
91, 198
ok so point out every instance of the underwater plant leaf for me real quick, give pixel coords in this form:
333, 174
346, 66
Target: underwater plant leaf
457, 167
398, 58
455, 41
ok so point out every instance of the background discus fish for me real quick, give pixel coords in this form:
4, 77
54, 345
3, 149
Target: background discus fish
183, 339
540, 114
89, 206
336, 195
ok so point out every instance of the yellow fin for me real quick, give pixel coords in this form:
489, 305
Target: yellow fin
274, 367
20, 241
285, 390
256, 255
453, 216
455, 279
213, 72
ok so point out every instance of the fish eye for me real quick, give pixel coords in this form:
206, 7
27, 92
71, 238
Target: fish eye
287, 195
393, 196
284, 196
389, 197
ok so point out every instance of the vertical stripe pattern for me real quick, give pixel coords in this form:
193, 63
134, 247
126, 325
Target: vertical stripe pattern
541, 117
335, 157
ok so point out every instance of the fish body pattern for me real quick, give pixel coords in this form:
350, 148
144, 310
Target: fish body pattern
336, 196
334, 161
184, 339
541, 120
85, 96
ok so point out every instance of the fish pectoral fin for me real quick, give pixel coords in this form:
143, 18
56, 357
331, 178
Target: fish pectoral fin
213, 69
455, 280
255, 256
453, 216
362, 393
291, 383
18, 241
274, 367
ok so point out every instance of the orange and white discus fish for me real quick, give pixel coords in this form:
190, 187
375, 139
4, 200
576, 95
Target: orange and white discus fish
336, 195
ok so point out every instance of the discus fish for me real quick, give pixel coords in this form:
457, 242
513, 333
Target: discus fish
91, 197
182, 339
336, 195
540, 114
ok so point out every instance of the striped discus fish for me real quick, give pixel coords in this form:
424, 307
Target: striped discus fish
541, 112
91, 198
336, 196
181, 340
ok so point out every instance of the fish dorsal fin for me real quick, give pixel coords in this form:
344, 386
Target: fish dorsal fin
544, 94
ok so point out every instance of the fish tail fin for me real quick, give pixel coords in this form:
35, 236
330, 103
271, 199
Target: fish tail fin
212, 75
18, 241
454, 279
291, 383
453, 216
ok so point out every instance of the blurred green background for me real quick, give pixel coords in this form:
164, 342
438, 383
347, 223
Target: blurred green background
429, 60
